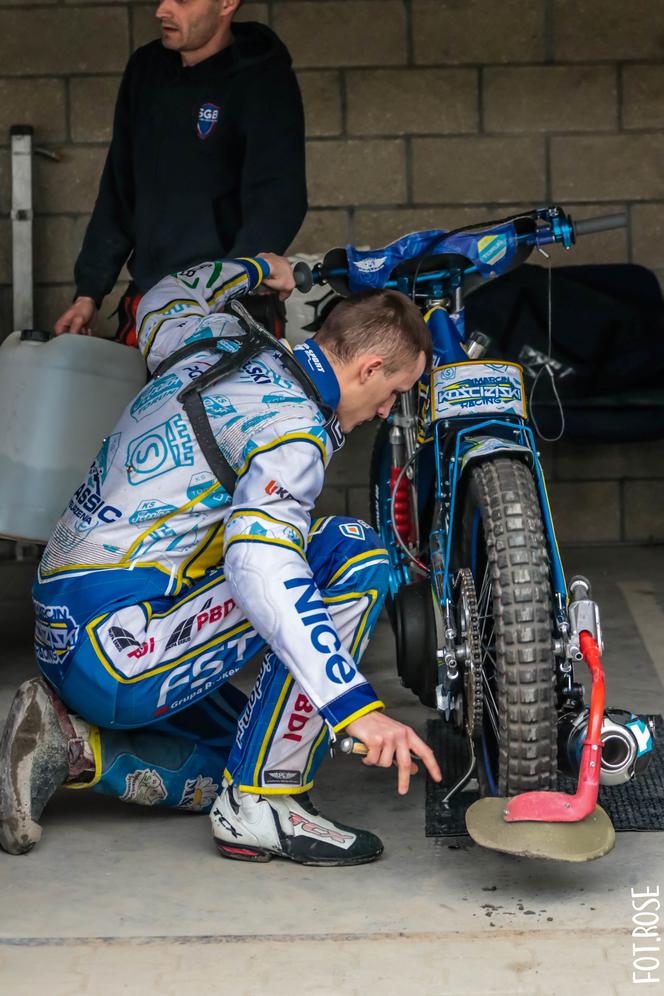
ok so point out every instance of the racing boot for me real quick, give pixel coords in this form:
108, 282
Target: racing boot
251, 827
42, 747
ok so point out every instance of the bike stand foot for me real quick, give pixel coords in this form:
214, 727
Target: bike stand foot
583, 840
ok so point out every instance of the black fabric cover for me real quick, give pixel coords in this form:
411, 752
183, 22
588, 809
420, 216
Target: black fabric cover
608, 338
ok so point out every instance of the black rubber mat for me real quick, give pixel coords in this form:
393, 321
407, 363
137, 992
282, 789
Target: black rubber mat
637, 805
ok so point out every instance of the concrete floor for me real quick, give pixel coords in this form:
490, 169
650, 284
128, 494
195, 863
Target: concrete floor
119, 899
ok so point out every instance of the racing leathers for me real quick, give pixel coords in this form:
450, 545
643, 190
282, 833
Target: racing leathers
157, 585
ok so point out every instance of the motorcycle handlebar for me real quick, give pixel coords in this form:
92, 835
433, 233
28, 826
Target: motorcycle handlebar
601, 224
304, 279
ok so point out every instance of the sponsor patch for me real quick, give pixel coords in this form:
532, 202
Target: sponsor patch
492, 248
208, 116
370, 265
56, 632
87, 505
321, 631
277, 777
155, 395
274, 488
353, 530
217, 406
200, 483
145, 787
150, 509
481, 388
207, 671
159, 450
198, 794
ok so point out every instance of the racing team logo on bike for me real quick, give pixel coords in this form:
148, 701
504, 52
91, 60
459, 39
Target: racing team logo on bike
208, 115
483, 388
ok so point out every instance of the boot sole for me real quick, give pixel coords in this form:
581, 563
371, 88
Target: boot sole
18, 831
265, 854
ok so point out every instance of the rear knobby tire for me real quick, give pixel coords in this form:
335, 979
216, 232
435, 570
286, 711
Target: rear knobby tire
504, 543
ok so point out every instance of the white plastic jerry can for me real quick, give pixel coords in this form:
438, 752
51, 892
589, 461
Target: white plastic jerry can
59, 397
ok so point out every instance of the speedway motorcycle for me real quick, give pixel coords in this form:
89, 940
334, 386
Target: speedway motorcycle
488, 632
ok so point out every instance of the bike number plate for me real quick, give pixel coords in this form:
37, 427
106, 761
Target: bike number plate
477, 388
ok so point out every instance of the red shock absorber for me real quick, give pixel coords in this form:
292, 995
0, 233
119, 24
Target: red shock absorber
403, 515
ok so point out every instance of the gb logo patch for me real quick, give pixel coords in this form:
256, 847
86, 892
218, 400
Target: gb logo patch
208, 115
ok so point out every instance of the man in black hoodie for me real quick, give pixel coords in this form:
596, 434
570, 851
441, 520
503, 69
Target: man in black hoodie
206, 160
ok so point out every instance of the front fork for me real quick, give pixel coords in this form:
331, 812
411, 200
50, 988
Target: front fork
403, 443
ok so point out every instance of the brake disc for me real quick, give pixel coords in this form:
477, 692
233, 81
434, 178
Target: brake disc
469, 632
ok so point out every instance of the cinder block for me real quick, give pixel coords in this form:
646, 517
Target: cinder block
36, 102
585, 512
331, 501
69, 185
253, 12
350, 465
321, 95
550, 98
587, 461
647, 234
144, 24
52, 40
408, 101
356, 172
608, 167
643, 96
461, 170
92, 102
644, 511
338, 33
56, 248
607, 30
322, 230
145, 27
450, 31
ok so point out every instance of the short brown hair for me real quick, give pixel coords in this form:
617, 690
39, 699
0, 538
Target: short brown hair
382, 321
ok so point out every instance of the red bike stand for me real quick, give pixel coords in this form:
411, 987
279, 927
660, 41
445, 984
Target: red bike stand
553, 824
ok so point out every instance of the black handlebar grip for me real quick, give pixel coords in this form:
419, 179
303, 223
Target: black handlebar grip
601, 224
303, 277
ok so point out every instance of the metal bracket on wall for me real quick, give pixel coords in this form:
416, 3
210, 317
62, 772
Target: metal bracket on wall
21, 215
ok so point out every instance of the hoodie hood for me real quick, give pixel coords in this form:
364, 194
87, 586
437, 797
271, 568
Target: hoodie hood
253, 45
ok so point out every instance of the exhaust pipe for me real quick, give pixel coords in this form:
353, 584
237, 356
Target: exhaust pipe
627, 744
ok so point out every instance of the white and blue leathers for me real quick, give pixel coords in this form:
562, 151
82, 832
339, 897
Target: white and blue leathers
157, 585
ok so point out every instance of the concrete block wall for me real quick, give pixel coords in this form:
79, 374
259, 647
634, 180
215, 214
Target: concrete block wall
419, 113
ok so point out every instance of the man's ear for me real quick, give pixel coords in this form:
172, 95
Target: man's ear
369, 367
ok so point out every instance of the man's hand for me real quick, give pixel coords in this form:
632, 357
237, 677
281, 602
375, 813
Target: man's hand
79, 319
281, 274
391, 742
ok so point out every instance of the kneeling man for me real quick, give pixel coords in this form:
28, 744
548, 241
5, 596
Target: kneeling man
188, 548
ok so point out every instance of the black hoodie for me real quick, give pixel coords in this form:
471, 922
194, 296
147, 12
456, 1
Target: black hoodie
206, 161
